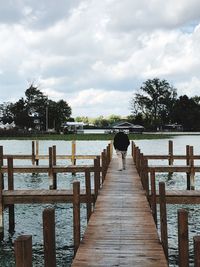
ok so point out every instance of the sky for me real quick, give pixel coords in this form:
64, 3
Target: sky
96, 54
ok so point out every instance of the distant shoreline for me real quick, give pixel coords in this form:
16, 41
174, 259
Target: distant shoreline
99, 136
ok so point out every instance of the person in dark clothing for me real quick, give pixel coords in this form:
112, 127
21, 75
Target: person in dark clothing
121, 143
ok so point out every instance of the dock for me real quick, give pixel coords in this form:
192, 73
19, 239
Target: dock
121, 230
121, 207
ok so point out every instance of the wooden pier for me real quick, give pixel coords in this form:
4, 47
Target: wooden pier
121, 230
121, 208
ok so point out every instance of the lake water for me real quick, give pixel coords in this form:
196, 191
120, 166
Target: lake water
29, 217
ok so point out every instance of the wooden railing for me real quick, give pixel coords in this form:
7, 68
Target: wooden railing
147, 173
8, 198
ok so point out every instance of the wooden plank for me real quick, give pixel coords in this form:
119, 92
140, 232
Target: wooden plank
174, 168
42, 196
29, 157
121, 230
45, 169
161, 157
181, 197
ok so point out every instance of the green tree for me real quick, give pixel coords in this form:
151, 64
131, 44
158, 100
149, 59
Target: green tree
5, 114
187, 112
82, 119
51, 114
136, 119
100, 122
155, 101
58, 112
20, 114
37, 103
114, 118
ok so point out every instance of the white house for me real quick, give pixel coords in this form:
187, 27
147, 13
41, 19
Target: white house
73, 127
127, 126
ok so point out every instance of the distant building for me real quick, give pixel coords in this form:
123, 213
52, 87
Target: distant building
73, 127
127, 127
7, 126
173, 127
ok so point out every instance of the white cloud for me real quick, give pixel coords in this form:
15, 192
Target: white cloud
95, 102
72, 46
189, 87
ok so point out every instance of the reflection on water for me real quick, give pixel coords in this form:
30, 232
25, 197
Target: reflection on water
29, 217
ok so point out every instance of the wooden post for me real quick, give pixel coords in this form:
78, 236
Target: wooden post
170, 152
37, 153
54, 164
1, 207
188, 163
11, 187
137, 158
23, 251
98, 172
163, 218
96, 176
88, 194
103, 166
108, 155
106, 160
1, 156
76, 215
171, 159
192, 172
196, 240
1, 164
111, 149
73, 160
134, 153
146, 176
33, 152
183, 242
73, 156
132, 149
50, 168
49, 237
141, 167
153, 196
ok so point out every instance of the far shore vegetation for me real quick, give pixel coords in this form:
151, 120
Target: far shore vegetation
89, 137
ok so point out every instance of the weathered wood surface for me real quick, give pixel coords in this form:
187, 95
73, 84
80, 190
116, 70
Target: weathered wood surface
161, 157
25, 156
173, 168
181, 197
42, 196
45, 168
121, 230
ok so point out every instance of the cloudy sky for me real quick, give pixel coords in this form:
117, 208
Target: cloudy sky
96, 54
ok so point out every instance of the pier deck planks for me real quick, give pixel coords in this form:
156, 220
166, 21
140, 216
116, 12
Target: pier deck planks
121, 230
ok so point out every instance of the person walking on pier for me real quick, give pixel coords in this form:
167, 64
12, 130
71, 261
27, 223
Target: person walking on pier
121, 143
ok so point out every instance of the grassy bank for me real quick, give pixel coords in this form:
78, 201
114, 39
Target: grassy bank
87, 137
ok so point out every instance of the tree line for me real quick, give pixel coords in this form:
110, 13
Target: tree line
154, 105
35, 111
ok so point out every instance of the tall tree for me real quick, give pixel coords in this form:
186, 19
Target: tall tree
114, 118
155, 101
51, 114
37, 103
21, 114
58, 112
186, 111
5, 114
